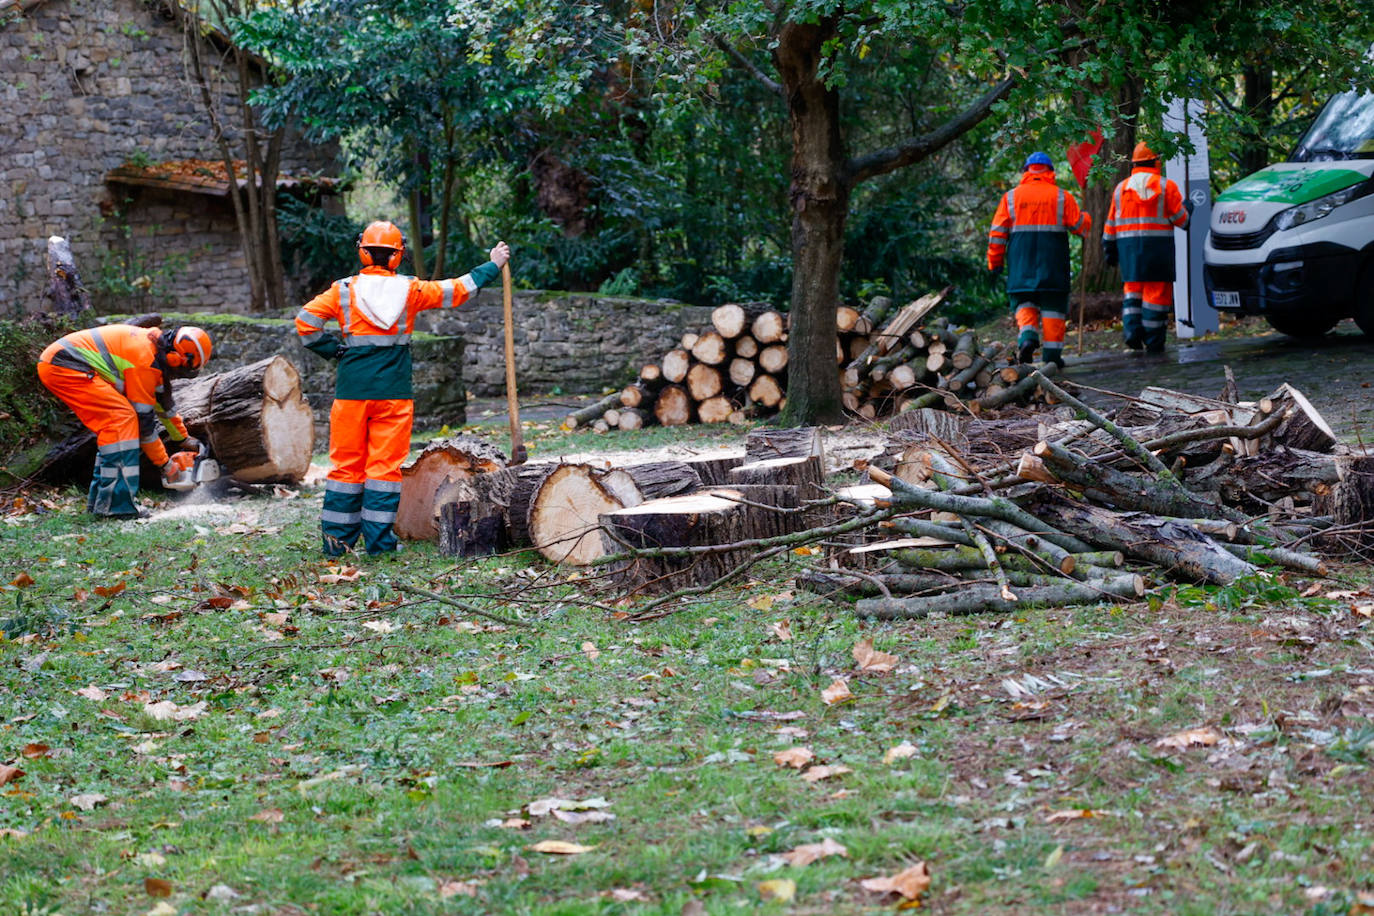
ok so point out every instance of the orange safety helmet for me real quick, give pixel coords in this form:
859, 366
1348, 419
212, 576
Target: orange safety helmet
1143, 153
385, 236
190, 349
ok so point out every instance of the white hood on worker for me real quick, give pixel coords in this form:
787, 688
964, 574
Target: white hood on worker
381, 298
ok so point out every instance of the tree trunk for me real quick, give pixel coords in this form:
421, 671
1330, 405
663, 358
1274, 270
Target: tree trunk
819, 196
253, 418
564, 508
1115, 156
69, 296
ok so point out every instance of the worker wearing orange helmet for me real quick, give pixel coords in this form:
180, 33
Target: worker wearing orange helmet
117, 380
369, 424
1139, 235
1030, 237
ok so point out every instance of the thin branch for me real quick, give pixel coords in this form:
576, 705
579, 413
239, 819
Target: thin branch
748, 65
435, 596
914, 149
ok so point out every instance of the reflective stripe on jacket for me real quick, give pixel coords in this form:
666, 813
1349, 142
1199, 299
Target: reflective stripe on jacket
1140, 225
126, 357
374, 362
1030, 234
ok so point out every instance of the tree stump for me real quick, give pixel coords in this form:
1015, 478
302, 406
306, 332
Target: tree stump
713, 518
800, 441
253, 418
487, 513
69, 295
422, 480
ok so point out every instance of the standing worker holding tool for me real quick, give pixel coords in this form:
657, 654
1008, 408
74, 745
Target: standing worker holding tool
117, 379
1030, 236
369, 424
1139, 235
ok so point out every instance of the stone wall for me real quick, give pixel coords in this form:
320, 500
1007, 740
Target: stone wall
569, 342
90, 85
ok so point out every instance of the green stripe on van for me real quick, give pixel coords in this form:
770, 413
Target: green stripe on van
1291, 185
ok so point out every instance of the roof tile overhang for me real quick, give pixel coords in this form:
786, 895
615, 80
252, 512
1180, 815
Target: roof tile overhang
210, 177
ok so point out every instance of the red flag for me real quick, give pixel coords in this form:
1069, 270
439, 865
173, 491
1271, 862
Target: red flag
1081, 157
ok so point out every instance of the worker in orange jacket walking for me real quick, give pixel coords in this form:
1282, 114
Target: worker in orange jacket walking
1030, 238
369, 424
1139, 235
117, 380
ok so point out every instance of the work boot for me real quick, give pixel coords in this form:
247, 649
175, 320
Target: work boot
1026, 353
1055, 358
1136, 342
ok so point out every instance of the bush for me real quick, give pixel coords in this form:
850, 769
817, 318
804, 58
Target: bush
29, 411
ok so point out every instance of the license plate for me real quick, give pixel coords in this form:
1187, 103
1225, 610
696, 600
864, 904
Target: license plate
1224, 300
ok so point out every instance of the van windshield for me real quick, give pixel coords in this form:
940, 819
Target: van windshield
1343, 130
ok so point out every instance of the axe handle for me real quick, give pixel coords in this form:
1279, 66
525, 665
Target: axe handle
517, 442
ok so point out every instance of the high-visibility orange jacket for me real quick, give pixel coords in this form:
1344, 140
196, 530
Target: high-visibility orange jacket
1030, 234
376, 312
127, 358
1140, 226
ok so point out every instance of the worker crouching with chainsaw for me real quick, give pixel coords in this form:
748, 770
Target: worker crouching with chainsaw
369, 424
117, 380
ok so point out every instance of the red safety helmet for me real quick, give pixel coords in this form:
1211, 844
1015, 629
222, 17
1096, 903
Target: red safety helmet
190, 349
1143, 153
378, 238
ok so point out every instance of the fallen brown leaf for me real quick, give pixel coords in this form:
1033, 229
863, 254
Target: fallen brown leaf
837, 692
782, 629
157, 887
9, 774
590, 650
911, 883
559, 848
88, 801
1073, 814
269, 816
1193, 737
870, 659
92, 693
109, 591
817, 773
167, 711
807, 853
900, 752
795, 757
781, 889
456, 889
23, 580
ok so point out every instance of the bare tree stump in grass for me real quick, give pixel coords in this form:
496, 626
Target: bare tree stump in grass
719, 517
442, 461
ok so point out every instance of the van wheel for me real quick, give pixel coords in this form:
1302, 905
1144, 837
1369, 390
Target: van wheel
1305, 326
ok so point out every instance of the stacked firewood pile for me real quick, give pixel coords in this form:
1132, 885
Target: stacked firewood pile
888, 363
1050, 508
732, 371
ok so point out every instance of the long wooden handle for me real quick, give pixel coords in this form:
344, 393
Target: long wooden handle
517, 442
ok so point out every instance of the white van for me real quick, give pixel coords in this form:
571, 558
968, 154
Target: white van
1294, 242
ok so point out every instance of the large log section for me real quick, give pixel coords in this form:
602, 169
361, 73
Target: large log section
253, 418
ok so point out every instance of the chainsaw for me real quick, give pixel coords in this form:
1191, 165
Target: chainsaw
203, 470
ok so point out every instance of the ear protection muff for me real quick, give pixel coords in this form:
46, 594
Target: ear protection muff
175, 359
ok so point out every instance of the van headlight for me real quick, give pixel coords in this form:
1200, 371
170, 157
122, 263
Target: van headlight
1316, 209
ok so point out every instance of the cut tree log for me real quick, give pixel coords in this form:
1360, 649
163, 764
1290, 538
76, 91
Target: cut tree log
873, 316
714, 471
473, 515
773, 359
632, 418
715, 409
746, 346
675, 364
734, 318
1303, 425
442, 461
68, 294
588, 415
253, 418
765, 390
978, 599
704, 381
769, 327
742, 371
564, 508
846, 318
710, 349
673, 406
891, 336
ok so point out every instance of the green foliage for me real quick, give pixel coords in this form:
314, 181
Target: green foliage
318, 245
28, 407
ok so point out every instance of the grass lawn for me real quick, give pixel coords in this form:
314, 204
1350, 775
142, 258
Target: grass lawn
210, 718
